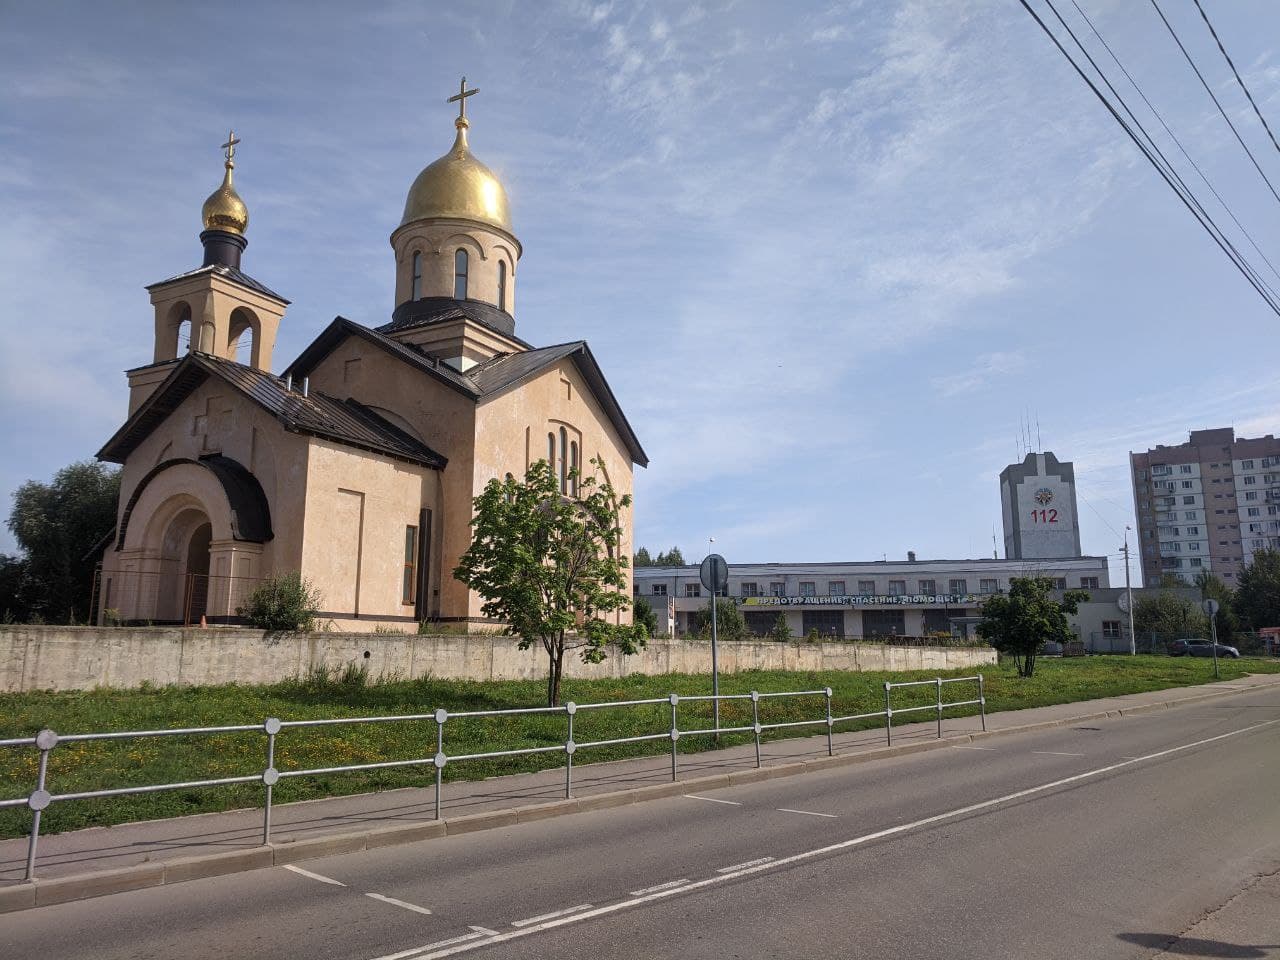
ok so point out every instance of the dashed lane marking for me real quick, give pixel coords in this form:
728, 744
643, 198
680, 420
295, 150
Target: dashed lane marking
1055, 753
743, 866
694, 796
551, 916
808, 813
669, 885
314, 876
399, 903
956, 746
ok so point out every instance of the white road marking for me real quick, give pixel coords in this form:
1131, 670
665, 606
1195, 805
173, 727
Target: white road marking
956, 746
313, 876
550, 916
485, 930
399, 903
749, 863
419, 951
1055, 753
642, 896
807, 813
669, 885
692, 796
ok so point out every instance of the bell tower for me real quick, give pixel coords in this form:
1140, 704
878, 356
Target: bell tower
212, 308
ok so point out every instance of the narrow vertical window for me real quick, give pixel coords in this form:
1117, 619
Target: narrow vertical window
551, 450
408, 587
502, 285
417, 276
573, 468
460, 274
563, 464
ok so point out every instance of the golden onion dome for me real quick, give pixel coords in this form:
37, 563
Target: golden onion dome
224, 210
459, 187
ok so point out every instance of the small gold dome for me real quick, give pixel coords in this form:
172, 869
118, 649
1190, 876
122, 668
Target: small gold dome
224, 210
458, 186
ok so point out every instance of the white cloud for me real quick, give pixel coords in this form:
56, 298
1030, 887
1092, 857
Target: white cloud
983, 370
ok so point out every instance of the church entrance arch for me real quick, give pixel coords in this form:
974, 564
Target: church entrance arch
183, 545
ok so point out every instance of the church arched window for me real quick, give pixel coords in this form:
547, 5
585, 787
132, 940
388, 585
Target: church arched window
460, 274
417, 276
551, 450
502, 285
562, 466
573, 468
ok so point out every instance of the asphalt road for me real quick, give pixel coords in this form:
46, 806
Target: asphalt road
1106, 840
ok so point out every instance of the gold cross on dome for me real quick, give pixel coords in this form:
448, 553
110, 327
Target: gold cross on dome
461, 98
230, 145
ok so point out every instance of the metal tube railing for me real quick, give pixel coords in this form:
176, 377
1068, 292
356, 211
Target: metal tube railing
46, 741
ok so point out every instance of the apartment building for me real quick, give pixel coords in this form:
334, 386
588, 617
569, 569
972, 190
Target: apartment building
1206, 505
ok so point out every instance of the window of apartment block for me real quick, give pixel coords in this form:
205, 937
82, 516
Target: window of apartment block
1196, 562
1251, 494
1185, 468
957, 586
1111, 629
897, 588
1188, 484
808, 588
1089, 583
929, 587
659, 589
1246, 465
1188, 501
988, 586
1250, 481
835, 588
693, 589
1255, 512
635, 587
1189, 515
750, 588
866, 588
777, 589
1193, 531
1059, 583
1193, 547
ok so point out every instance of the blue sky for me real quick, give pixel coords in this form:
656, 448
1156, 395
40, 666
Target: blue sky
829, 255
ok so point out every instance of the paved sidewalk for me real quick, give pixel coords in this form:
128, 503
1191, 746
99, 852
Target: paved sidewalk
181, 848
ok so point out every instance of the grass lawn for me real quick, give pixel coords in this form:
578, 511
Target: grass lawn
96, 765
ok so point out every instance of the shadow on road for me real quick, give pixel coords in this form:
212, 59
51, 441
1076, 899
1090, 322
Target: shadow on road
1194, 947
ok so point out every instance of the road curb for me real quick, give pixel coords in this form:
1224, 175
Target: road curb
39, 893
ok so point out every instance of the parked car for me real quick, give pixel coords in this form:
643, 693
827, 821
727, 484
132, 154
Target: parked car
1203, 648
1179, 648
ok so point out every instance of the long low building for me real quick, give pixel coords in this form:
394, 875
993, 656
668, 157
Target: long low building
911, 598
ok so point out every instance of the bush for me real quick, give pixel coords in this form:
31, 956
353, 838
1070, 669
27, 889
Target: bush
287, 602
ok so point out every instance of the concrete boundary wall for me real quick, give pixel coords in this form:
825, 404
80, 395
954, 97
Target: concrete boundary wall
82, 658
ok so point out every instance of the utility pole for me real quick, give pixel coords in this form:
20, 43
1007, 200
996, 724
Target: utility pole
1128, 594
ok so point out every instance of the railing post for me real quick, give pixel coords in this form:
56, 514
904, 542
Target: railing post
831, 750
888, 715
939, 708
440, 759
982, 703
46, 740
675, 733
755, 721
570, 709
270, 775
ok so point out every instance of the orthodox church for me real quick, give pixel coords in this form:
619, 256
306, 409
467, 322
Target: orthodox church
357, 465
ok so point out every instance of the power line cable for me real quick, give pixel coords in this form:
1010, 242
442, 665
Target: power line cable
1169, 167
1217, 104
1205, 17
1204, 220
1174, 138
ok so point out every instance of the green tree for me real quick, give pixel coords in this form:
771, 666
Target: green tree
287, 603
642, 614
1211, 588
781, 632
1258, 596
672, 558
14, 606
1170, 581
56, 524
642, 558
1020, 623
549, 567
730, 624
1170, 616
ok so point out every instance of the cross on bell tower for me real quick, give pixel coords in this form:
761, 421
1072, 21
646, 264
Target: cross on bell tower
461, 99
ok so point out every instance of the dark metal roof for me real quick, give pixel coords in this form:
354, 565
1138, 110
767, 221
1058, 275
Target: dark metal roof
428, 310
231, 273
485, 380
344, 421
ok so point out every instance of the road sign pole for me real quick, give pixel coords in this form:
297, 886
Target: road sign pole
1210, 606
714, 575
715, 667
